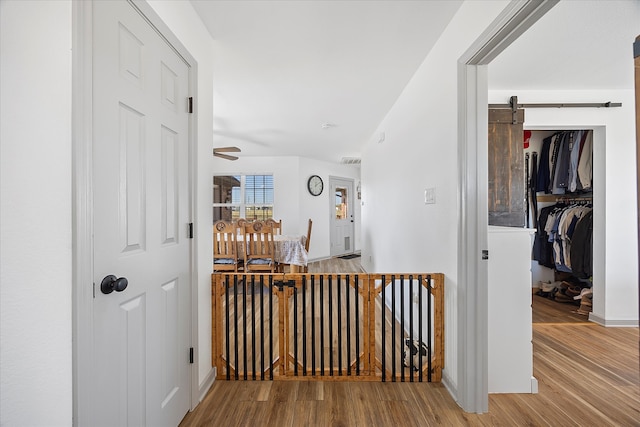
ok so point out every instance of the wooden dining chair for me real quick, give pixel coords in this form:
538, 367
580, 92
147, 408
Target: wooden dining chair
259, 250
276, 225
225, 247
307, 242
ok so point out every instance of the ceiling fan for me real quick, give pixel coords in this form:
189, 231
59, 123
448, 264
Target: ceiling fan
218, 152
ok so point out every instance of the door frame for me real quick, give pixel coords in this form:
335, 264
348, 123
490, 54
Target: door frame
472, 298
332, 207
83, 288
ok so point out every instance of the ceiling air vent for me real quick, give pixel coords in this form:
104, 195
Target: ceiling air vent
350, 161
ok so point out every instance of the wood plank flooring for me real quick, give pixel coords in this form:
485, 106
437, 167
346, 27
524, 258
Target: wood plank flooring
588, 375
336, 265
546, 310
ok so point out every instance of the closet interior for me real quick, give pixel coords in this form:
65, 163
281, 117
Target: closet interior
559, 172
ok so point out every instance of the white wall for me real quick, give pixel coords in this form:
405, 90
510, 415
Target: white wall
183, 21
321, 208
292, 202
35, 214
400, 232
615, 250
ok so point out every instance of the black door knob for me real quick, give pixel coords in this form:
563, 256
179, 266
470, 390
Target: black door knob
111, 283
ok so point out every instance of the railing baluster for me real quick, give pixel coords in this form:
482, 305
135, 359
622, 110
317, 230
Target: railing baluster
294, 335
429, 293
244, 324
330, 326
313, 325
420, 326
304, 326
348, 320
357, 324
393, 328
235, 321
383, 323
228, 333
339, 313
322, 306
402, 329
270, 361
411, 366
253, 328
262, 329
244, 329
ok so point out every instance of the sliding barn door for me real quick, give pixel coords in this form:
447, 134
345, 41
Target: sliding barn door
506, 168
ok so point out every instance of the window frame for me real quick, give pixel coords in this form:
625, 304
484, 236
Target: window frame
243, 206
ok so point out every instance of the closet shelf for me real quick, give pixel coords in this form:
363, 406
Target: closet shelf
553, 198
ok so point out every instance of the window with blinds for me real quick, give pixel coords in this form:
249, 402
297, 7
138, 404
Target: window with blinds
242, 196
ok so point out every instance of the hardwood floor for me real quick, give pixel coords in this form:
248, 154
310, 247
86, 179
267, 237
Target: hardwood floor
336, 265
546, 310
588, 375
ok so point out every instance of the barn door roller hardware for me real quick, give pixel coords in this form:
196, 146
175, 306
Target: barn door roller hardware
513, 105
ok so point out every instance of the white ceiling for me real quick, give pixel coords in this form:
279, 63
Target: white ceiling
577, 45
283, 69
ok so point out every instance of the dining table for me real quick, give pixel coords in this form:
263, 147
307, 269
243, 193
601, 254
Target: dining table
289, 249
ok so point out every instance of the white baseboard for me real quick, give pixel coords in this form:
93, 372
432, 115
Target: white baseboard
620, 323
450, 386
534, 385
325, 258
205, 385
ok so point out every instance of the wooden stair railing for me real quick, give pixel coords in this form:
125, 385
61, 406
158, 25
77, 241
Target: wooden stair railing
328, 326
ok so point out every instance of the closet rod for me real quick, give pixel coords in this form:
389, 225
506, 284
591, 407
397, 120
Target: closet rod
561, 105
560, 198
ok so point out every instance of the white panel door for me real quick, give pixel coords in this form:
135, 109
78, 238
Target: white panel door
141, 215
342, 226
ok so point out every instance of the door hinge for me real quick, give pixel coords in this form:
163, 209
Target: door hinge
191, 355
190, 104
485, 254
191, 230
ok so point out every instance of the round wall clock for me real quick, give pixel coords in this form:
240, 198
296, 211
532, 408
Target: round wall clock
315, 185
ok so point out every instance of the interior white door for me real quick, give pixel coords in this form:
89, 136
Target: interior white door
141, 215
342, 225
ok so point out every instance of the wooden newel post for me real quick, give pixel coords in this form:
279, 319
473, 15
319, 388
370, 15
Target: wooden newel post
438, 327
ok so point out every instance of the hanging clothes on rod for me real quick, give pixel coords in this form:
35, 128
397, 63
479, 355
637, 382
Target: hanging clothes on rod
554, 244
527, 201
582, 244
565, 164
533, 184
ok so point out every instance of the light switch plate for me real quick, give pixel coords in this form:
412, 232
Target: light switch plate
430, 196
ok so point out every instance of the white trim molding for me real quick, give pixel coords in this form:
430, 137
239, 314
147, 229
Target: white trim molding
515, 19
82, 221
206, 385
618, 323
